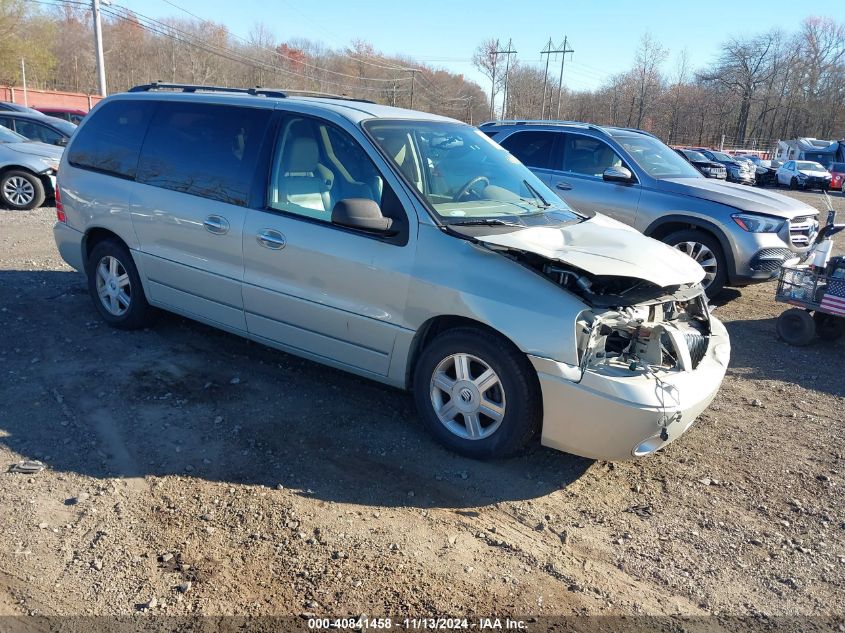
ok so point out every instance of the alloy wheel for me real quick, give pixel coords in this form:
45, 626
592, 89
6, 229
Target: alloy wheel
705, 258
467, 396
18, 190
113, 286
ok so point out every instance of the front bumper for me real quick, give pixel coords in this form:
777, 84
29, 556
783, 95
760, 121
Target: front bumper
608, 414
69, 243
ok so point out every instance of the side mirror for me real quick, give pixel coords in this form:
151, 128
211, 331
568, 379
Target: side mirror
61, 142
361, 213
617, 174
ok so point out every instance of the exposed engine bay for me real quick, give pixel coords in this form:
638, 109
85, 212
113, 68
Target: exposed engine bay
633, 324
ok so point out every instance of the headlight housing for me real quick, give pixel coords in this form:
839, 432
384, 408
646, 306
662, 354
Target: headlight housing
757, 223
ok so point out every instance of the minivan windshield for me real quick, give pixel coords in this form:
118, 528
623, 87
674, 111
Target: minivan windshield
7, 136
462, 174
655, 158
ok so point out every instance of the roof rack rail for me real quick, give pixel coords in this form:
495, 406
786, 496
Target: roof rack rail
323, 95
537, 122
257, 91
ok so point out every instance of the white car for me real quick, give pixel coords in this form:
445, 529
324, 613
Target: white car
804, 174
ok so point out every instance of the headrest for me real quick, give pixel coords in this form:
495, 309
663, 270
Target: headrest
303, 155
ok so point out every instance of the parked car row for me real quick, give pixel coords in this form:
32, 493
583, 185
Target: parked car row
72, 115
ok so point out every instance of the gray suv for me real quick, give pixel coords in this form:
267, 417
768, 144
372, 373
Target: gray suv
401, 246
739, 235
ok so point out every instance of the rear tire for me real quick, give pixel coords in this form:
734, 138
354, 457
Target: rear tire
700, 245
796, 327
115, 287
463, 375
21, 190
829, 327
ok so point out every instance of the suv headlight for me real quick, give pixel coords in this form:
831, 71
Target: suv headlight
757, 223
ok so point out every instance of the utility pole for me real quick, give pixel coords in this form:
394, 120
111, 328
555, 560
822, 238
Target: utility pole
413, 72
23, 78
493, 80
98, 46
469, 109
548, 52
507, 52
565, 50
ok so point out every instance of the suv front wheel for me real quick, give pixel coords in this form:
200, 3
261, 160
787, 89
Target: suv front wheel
706, 250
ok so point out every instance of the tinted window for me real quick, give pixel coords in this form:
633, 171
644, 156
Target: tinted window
533, 149
7, 122
837, 167
588, 156
37, 132
203, 149
111, 140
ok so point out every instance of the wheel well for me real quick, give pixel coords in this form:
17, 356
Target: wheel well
95, 236
7, 168
663, 230
660, 230
431, 329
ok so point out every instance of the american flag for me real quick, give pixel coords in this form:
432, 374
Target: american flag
833, 300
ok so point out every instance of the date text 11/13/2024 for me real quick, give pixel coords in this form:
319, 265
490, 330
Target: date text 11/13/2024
363, 623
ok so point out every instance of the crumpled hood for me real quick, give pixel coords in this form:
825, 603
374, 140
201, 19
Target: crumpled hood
37, 149
814, 173
741, 197
603, 246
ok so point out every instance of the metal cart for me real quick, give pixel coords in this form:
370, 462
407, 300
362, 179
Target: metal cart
820, 301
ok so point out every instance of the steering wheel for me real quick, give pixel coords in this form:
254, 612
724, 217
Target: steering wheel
468, 186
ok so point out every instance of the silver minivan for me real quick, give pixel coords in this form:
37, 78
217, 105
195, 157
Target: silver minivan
401, 246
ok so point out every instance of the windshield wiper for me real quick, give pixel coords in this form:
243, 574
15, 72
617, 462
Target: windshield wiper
543, 204
485, 222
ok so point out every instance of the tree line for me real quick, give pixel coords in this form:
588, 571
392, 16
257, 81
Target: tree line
56, 41
759, 87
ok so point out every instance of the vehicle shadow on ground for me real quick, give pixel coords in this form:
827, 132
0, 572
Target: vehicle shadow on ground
756, 349
185, 399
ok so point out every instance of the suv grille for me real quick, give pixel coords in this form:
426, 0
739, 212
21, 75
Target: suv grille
802, 231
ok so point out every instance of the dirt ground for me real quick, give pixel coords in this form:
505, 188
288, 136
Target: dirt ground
192, 472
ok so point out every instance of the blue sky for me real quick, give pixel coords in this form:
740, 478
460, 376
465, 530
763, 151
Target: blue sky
444, 33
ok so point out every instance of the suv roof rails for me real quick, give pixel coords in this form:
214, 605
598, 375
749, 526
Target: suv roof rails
539, 122
257, 91
324, 95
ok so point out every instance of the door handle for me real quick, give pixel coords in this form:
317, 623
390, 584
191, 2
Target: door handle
564, 186
217, 225
271, 239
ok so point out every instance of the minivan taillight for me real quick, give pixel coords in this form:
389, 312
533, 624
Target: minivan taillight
60, 208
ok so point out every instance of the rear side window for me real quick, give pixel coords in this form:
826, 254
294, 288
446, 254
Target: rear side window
532, 149
111, 141
837, 167
203, 149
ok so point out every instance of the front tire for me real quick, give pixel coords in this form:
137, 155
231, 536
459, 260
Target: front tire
115, 287
477, 394
21, 190
793, 184
705, 249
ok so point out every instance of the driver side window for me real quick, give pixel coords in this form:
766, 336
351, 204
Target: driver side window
315, 165
588, 156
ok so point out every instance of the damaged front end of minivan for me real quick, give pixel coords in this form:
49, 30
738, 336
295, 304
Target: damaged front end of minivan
650, 356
